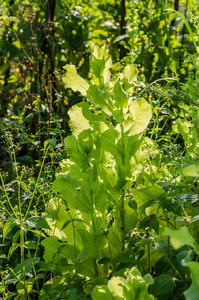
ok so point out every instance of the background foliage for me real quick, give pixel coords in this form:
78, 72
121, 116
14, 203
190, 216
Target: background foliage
102, 96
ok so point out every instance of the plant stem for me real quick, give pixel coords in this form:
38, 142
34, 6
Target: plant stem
23, 271
93, 230
123, 163
149, 257
174, 268
36, 183
33, 267
2, 181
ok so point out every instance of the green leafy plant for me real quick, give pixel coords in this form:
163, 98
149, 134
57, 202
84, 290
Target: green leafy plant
178, 239
132, 287
106, 150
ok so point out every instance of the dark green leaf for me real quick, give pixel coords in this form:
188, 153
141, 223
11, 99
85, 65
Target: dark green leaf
163, 284
38, 222
133, 204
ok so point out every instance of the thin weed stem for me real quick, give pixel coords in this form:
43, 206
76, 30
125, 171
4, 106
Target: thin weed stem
3, 185
36, 185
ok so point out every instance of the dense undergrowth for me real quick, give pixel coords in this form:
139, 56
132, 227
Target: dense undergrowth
103, 203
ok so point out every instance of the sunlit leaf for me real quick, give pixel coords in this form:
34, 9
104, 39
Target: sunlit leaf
74, 81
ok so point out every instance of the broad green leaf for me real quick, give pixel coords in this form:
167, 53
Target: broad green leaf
30, 245
12, 250
74, 81
143, 195
69, 252
115, 242
100, 63
97, 68
88, 267
79, 149
148, 279
71, 145
163, 284
119, 96
38, 232
193, 291
132, 145
139, 117
131, 218
101, 292
108, 139
100, 196
100, 98
116, 285
181, 237
160, 246
4, 68
51, 246
133, 204
77, 122
25, 286
138, 286
53, 142
89, 248
130, 73
185, 256
86, 141
16, 237
183, 128
96, 121
68, 186
134, 287
190, 170
10, 224
55, 250
92, 117
38, 222
108, 175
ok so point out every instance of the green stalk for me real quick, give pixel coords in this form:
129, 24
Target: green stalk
123, 163
74, 240
18, 180
33, 267
36, 185
110, 253
149, 258
23, 271
2, 181
38, 93
11, 158
93, 230
174, 268
168, 238
182, 206
74, 243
